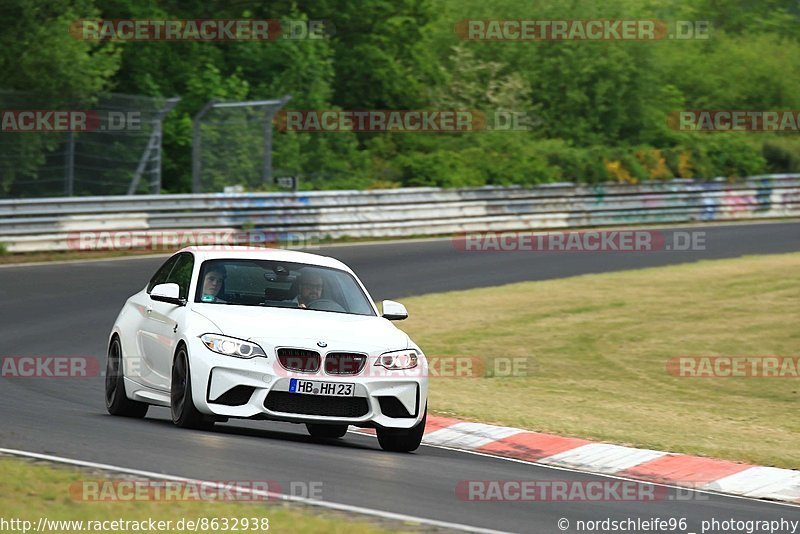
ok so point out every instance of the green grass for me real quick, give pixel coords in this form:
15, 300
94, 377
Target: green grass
29, 491
601, 345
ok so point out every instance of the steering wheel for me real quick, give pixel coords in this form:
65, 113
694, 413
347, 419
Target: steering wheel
325, 305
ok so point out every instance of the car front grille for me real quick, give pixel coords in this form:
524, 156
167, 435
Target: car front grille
344, 363
301, 360
283, 401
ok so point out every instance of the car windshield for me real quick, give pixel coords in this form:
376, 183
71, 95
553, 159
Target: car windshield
278, 284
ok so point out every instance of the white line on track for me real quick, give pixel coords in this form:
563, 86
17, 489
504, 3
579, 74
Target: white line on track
260, 493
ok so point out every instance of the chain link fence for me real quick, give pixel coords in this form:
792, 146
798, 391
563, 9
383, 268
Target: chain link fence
114, 150
232, 145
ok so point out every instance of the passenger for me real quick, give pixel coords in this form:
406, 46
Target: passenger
212, 283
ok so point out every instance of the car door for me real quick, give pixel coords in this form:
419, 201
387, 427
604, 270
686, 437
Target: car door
158, 334
139, 360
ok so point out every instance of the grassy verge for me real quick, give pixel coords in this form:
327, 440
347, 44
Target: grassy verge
601, 343
29, 491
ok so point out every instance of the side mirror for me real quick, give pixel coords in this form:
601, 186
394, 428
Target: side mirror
167, 293
394, 311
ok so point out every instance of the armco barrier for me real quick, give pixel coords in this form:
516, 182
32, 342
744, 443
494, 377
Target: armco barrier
48, 224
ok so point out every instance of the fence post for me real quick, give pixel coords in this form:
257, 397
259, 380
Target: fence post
196, 136
69, 178
266, 174
155, 180
153, 145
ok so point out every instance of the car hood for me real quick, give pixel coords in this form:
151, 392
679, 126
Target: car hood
276, 327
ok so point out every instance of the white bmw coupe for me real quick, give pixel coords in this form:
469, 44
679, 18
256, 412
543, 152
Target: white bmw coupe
267, 334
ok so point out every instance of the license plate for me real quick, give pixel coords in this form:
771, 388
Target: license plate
314, 387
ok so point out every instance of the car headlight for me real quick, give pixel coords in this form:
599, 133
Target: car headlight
399, 359
230, 346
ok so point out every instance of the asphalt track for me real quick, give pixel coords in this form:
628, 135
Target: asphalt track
68, 309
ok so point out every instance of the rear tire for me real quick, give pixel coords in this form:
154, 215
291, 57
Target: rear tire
184, 413
326, 431
405, 440
117, 401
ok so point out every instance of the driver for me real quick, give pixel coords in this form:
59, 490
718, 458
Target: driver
309, 289
212, 283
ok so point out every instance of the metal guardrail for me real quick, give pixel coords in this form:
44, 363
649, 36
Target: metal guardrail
55, 223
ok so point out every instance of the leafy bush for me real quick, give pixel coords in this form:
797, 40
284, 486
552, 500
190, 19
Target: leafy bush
782, 154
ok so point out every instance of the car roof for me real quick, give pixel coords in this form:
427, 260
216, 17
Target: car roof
233, 252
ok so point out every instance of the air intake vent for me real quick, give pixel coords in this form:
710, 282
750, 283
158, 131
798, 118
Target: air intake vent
392, 407
235, 396
283, 401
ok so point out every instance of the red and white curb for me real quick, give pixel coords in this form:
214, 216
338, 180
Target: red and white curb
696, 472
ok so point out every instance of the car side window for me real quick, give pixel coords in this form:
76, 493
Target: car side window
162, 273
181, 274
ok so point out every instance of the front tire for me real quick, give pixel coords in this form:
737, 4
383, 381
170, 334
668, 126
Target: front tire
117, 402
326, 431
184, 413
405, 440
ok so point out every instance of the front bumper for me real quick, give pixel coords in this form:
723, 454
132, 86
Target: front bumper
259, 388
